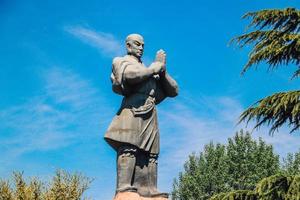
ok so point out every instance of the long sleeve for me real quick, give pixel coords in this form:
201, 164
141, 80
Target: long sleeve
169, 85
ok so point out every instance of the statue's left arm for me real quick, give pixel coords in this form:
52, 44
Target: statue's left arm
169, 85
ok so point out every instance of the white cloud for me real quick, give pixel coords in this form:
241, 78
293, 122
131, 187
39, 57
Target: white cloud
283, 141
69, 108
106, 43
190, 127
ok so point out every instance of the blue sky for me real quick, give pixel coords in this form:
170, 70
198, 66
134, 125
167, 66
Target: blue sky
56, 100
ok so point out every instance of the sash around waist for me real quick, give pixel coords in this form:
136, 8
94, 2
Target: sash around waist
139, 103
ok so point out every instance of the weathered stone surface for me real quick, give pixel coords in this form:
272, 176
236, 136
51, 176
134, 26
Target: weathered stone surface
134, 196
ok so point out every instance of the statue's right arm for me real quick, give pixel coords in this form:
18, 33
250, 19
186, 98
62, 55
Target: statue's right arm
135, 74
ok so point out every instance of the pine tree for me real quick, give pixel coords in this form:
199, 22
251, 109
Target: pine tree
276, 41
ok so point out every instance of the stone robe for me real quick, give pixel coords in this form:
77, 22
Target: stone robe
136, 121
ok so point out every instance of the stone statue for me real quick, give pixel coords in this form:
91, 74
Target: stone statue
134, 132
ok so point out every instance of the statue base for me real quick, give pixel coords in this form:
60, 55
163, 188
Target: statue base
135, 196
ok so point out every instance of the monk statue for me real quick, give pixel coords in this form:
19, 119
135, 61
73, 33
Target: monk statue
134, 132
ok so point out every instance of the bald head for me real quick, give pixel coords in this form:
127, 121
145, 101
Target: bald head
135, 45
135, 37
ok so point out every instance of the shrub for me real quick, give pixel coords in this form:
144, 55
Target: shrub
63, 186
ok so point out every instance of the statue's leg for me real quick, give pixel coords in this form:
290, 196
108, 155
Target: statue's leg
152, 177
125, 169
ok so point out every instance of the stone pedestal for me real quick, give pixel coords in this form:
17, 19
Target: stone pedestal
154, 198
135, 196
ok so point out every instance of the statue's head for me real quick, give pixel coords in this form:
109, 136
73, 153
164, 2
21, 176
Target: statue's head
135, 45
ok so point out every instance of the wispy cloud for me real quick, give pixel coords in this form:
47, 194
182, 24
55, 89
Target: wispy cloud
190, 126
283, 141
67, 107
106, 43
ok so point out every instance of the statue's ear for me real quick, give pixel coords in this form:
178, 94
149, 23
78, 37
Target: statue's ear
128, 45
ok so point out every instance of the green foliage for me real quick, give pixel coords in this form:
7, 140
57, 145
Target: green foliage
238, 165
5, 191
277, 109
291, 164
249, 161
203, 175
277, 187
64, 186
219, 196
274, 187
293, 192
24, 191
236, 195
275, 40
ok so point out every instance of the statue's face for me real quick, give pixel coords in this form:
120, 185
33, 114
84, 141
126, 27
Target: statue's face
135, 46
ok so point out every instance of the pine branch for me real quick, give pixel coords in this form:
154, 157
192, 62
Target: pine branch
275, 110
274, 47
276, 40
287, 20
296, 73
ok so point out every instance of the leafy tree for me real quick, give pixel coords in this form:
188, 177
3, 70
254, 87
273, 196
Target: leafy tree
291, 164
203, 175
64, 186
249, 161
276, 41
238, 165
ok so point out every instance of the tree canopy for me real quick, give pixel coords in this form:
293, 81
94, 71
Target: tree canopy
237, 165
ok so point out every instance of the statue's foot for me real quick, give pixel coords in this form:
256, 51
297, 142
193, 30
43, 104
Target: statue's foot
127, 188
156, 193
